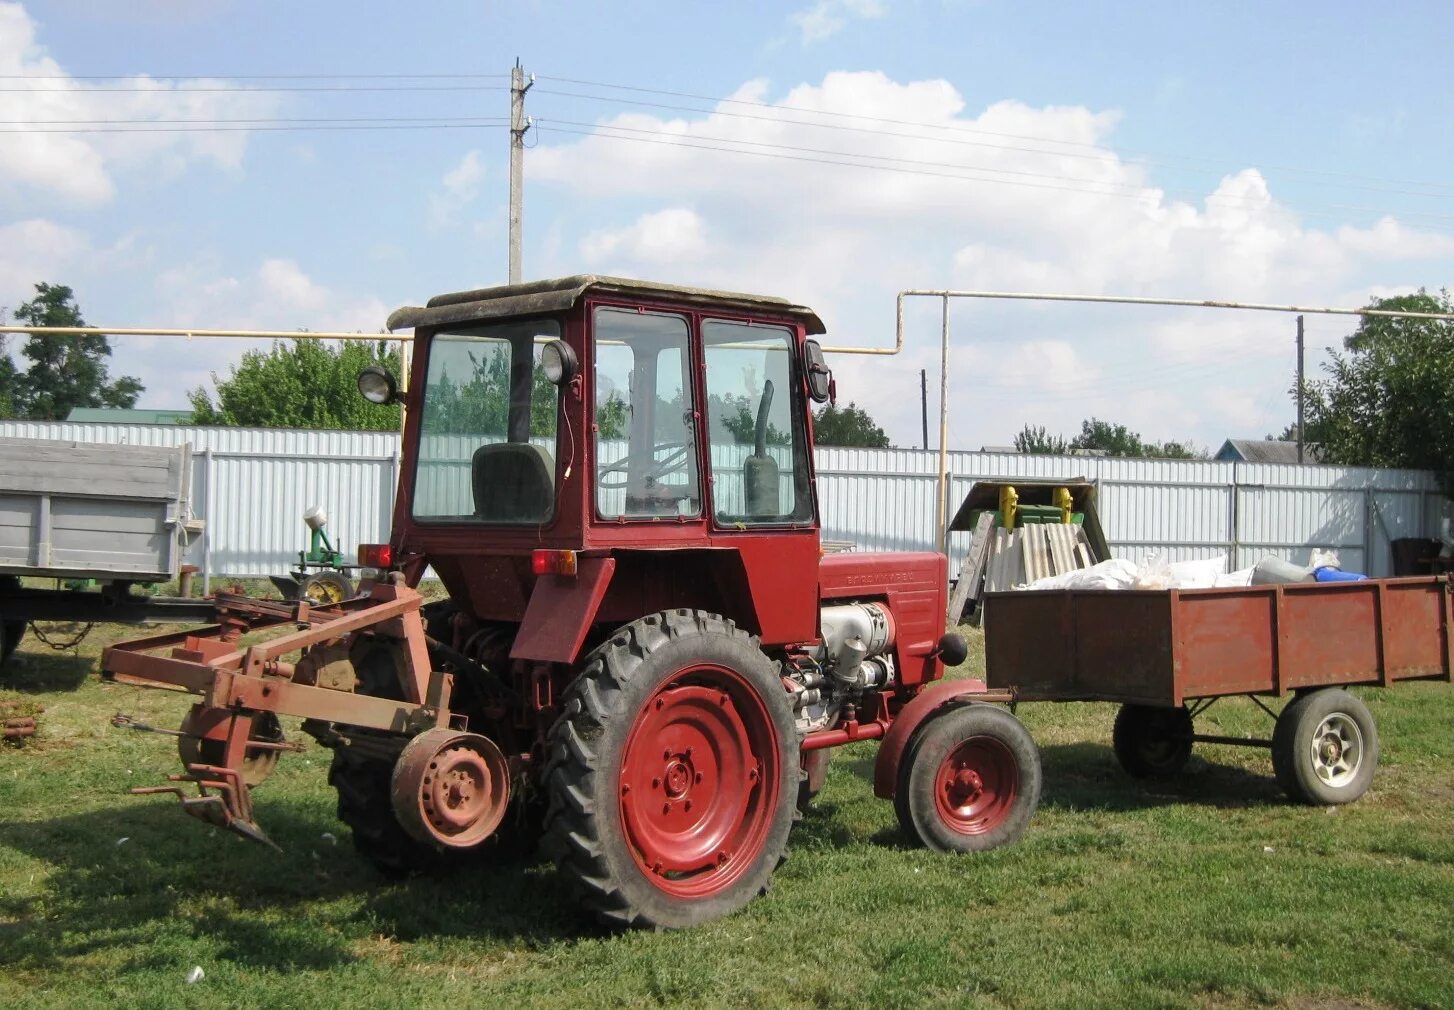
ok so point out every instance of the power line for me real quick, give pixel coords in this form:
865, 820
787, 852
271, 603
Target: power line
250, 77
958, 128
269, 129
177, 90
675, 140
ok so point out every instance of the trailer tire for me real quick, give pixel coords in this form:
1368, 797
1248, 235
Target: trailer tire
11, 632
970, 780
676, 708
1152, 742
1325, 748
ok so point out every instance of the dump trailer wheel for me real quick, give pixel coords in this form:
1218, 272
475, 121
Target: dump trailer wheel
1325, 748
1152, 742
11, 632
970, 780
672, 773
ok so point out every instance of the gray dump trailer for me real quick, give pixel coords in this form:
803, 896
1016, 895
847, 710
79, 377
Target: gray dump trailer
99, 520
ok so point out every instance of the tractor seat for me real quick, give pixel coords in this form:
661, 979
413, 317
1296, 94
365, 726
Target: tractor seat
513, 482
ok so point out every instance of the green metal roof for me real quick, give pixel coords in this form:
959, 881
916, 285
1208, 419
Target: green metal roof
120, 415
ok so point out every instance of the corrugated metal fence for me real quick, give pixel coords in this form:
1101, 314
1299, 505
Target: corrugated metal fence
252, 485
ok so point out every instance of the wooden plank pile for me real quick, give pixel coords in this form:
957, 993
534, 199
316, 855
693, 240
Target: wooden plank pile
1001, 559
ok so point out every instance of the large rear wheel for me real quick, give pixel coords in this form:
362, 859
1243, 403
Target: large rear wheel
11, 632
673, 773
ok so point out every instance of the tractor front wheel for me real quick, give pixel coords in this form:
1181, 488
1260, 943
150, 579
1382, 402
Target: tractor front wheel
970, 780
673, 773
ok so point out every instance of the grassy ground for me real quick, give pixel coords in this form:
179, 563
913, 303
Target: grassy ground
1212, 892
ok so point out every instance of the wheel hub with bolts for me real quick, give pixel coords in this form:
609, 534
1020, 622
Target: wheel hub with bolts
976, 785
449, 789
1337, 749
691, 793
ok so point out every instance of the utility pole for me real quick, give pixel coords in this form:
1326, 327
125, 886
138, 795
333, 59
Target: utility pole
924, 405
518, 125
1299, 389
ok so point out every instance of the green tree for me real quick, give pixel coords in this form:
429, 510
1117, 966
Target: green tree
64, 371
850, 425
1388, 398
299, 384
1038, 441
1118, 440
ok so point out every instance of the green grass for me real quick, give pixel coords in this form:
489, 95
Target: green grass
1211, 891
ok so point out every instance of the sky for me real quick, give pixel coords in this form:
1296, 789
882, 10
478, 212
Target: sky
220, 164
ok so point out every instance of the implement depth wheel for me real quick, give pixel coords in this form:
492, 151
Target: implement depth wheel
1152, 742
970, 780
673, 773
1325, 748
257, 765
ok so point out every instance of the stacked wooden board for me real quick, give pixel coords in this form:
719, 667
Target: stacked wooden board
1001, 559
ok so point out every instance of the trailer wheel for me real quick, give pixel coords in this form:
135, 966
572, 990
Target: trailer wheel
1152, 742
970, 780
672, 773
11, 632
1325, 748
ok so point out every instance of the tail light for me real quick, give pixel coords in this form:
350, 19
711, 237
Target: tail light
375, 555
545, 562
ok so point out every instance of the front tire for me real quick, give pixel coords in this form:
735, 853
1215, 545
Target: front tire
970, 780
673, 773
1325, 748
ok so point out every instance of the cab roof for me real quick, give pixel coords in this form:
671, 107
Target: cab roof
481, 304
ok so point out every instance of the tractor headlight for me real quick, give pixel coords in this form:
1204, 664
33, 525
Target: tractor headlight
558, 362
376, 384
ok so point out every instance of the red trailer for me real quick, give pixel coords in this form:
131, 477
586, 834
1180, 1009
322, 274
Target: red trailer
1168, 656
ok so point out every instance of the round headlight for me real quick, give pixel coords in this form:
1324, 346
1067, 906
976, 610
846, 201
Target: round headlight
376, 385
558, 362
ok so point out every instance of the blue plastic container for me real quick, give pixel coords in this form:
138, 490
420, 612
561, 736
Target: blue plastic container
1330, 574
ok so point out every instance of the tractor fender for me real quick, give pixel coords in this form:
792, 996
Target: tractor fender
561, 610
910, 718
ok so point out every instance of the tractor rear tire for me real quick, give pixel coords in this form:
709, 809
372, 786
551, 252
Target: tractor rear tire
1325, 748
970, 780
672, 773
1152, 742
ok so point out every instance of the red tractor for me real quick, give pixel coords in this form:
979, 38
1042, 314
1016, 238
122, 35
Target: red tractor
645, 652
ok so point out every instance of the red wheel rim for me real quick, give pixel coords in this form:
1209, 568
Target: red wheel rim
699, 782
974, 789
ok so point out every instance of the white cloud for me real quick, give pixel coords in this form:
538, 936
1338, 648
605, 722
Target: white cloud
974, 203
79, 167
668, 236
826, 18
457, 190
35, 250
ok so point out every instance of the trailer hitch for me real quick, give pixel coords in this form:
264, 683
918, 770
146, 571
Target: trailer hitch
222, 799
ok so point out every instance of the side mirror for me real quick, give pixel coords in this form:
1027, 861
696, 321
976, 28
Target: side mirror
820, 376
377, 384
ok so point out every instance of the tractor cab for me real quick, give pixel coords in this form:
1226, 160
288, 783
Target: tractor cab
557, 423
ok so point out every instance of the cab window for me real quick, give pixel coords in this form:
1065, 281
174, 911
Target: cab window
645, 433
759, 459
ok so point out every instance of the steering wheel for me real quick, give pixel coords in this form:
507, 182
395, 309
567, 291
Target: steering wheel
675, 459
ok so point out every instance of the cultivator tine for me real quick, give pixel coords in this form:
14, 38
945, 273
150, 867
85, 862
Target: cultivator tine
222, 799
